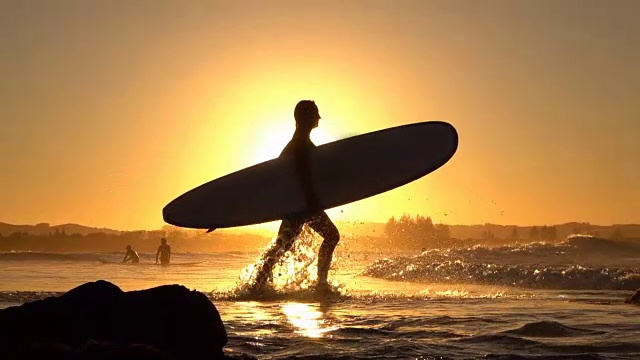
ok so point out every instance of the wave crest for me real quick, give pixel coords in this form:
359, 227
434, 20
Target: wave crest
535, 265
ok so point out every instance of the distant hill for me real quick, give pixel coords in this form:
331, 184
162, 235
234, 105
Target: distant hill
354, 235
358, 229
505, 231
45, 229
562, 230
479, 231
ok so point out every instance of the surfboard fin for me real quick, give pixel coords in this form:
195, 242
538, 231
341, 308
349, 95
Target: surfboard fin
210, 230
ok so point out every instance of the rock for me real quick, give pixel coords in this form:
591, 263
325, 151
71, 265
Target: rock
91, 351
634, 299
167, 320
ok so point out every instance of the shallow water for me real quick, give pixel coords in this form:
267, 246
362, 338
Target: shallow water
377, 314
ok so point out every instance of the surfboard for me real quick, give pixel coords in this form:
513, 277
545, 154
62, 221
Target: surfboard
343, 171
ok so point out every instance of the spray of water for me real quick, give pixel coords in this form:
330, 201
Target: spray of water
295, 272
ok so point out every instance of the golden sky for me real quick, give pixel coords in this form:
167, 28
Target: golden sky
109, 110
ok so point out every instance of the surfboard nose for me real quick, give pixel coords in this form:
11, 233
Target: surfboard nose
175, 214
168, 215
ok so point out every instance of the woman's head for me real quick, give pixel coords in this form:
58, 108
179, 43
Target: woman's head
306, 114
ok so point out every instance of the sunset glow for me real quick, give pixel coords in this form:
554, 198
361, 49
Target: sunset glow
271, 143
111, 110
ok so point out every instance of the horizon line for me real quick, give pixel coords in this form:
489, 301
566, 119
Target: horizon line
358, 222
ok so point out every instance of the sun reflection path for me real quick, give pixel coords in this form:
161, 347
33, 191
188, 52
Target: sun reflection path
307, 320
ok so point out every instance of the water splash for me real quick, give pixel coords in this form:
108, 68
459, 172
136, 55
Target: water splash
296, 270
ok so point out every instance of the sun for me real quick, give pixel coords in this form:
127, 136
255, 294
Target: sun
322, 136
270, 143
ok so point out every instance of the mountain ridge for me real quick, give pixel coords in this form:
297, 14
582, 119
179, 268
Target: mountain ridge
354, 228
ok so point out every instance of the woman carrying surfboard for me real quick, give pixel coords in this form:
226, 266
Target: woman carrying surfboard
307, 118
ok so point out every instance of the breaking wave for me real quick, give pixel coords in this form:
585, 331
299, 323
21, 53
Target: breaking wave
579, 263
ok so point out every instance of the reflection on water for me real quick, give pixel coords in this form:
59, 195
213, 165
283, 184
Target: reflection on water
307, 319
255, 313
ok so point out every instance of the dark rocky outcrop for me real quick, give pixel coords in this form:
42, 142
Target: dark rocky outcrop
91, 351
99, 321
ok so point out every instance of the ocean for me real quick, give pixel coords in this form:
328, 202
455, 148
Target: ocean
533, 301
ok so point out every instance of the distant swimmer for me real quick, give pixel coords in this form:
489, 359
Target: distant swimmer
131, 255
164, 252
307, 117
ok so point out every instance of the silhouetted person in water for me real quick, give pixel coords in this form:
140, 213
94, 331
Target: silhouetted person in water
307, 116
164, 252
131, 255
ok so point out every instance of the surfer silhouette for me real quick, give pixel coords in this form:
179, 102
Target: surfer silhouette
307, 118
164, 252
131, 255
